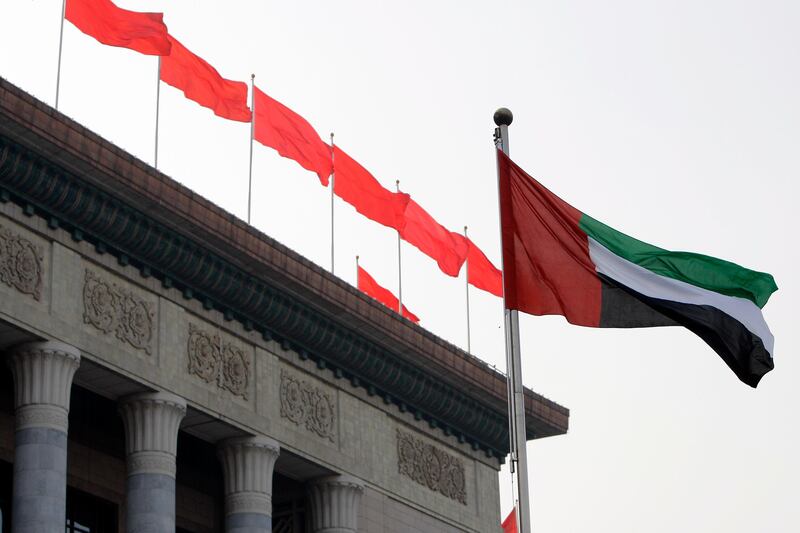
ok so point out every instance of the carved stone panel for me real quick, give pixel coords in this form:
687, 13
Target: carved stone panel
307, 405
215, 361
429, 466
21, 263
119, 312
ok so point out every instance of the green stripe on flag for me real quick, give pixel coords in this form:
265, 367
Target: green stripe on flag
703, 271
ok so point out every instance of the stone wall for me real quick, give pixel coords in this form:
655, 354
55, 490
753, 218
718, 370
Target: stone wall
148, 332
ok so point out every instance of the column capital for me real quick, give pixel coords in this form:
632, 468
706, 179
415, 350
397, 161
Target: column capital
43, 373
151, 421
248, 464
334, 503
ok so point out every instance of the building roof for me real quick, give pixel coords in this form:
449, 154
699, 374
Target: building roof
57, 169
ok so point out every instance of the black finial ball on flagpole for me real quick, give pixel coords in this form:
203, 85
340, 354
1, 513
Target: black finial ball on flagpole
503, 117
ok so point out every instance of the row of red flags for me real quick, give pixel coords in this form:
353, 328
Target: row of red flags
280, 128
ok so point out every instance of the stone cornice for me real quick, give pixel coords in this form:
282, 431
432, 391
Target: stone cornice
104, 196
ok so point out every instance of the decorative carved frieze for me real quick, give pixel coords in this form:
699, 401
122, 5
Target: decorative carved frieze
429, 466
119, 312
307, 405
215, 361
21, 263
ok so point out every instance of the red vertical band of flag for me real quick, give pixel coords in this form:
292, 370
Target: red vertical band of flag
201, 82
447, 248
481, 273
510, 523
547, 270
356, 186
278, 127
369, 286
144, 32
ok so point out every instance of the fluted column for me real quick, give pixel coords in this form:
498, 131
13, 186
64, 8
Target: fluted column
43, 373
151, 424
334, 504
247, 464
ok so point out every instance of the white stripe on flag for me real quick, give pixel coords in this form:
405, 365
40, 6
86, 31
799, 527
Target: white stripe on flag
653, 285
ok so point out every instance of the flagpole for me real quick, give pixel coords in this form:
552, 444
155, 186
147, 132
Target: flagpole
399, 267
333, 184
516, 395
60, 46
158, 108
466, 283
357, 272
252, 128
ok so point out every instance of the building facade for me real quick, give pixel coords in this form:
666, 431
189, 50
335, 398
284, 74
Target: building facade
167, 367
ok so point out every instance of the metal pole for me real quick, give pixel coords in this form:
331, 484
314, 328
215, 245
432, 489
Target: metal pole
466, 283
252, 128
519, 458
60, 46
357, 287
399, 267
158, 108
333, 185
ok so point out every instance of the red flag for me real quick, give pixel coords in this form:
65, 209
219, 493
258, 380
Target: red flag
144, 32
510, 523
481, 273
201, 82
278, 127
369, 286
447, 248
356, 186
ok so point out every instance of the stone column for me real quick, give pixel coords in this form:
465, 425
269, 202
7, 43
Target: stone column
334, 504
43, 373
247, 464
151, 422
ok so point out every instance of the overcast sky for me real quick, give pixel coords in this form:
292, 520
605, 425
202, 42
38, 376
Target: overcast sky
677, 122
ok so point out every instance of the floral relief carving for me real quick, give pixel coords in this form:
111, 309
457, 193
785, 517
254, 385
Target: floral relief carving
306, 405
429, 466
235, 370
117, 311
215, 361
21, 263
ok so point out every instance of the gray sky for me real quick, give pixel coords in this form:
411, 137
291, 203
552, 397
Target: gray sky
677, 122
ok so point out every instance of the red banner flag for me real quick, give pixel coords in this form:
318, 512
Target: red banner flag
369, 286
447, 248
278, 127
356, 186
144, 32
481, 273
510, 523
201, 82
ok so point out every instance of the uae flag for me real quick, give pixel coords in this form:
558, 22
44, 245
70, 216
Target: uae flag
559, 261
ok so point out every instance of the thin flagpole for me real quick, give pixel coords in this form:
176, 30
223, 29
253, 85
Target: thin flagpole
516, 404
333, 184
60, 46
399, 267
357, 272
252, 129
466, 283
158, 109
